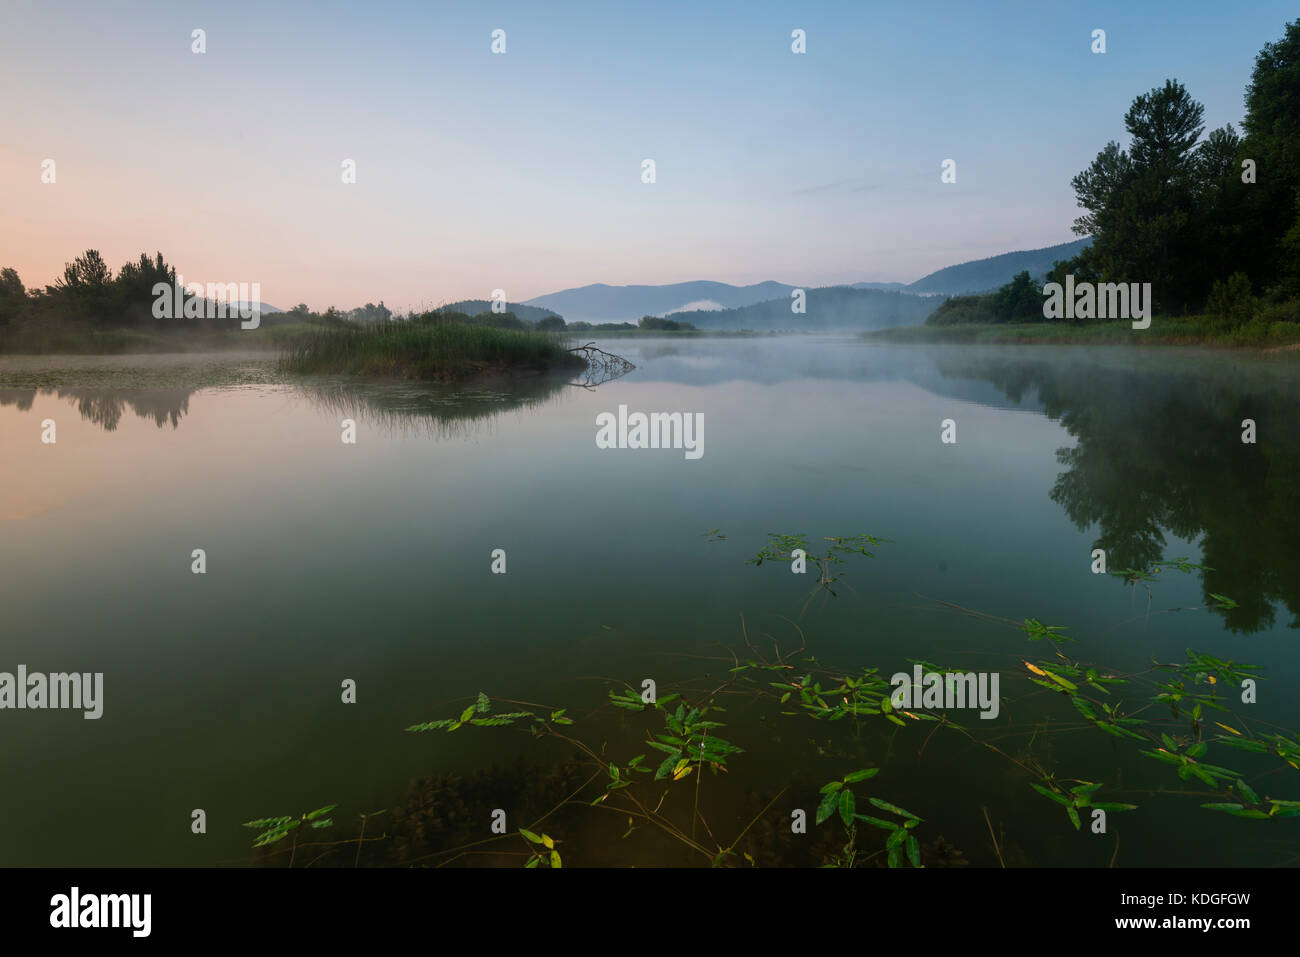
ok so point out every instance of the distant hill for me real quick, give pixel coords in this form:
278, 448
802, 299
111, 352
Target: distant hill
602, 303
887, 286
474, 307
984, 275
829, 308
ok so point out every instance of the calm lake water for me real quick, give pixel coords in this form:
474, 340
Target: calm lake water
372, 562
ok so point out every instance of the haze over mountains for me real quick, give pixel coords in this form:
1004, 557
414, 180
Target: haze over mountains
600, 302
827, 309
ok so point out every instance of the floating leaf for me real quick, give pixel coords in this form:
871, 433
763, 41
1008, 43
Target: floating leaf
1059, 799
894, 809
862, 775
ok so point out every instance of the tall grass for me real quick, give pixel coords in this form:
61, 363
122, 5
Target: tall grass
1262, 332
437, 350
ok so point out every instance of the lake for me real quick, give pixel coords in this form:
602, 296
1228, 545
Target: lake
372, 562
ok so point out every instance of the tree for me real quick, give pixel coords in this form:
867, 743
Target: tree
1272, 141
85, 289
1142, 202
135, 284
13, 296
1165, 125
87, 271
1020, 300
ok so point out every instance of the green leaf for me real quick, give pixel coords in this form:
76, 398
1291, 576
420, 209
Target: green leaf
1247, 792
268, 822
896, 838
1059, 799
877, 822
857, 776
467, 714
533, 862
847, 807
894, 809
913, 851
482, 705
1070, 685
1074, 816
555, 859
831, 786
827, 807
1164, 756
530, 836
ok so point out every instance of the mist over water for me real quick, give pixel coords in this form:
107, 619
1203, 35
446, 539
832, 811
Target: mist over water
221, 691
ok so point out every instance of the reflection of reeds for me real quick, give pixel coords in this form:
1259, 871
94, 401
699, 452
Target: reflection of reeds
441, 411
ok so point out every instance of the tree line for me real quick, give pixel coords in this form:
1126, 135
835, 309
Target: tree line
1213, 222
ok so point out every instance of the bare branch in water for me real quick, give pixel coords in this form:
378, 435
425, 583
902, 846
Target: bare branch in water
602, 366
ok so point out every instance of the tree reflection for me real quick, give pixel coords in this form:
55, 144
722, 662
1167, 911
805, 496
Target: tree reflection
1159, 452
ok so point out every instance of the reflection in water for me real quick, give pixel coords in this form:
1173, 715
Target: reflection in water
1159, 450
104, 407
441, 410
444, 412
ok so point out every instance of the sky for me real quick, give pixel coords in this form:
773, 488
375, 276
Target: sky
522, 171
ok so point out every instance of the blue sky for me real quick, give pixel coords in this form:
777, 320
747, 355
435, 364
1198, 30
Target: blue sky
522, 171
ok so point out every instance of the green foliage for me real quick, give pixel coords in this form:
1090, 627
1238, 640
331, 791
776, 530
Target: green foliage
481, 707
1077, 798
277, 828
439, 349
1230, 302
665, 325
782, 547
1172, 209
545, 854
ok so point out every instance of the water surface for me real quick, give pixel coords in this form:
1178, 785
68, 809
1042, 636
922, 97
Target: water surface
371, 562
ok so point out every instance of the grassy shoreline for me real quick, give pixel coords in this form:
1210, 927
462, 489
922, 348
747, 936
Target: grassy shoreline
1193, 331
430, 351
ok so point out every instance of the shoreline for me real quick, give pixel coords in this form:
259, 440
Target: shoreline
1121, 333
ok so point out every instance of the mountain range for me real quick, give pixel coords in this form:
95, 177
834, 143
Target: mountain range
600, 302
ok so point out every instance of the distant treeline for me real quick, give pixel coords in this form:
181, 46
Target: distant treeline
91, 305
1212, 224
827, 308
549, 322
